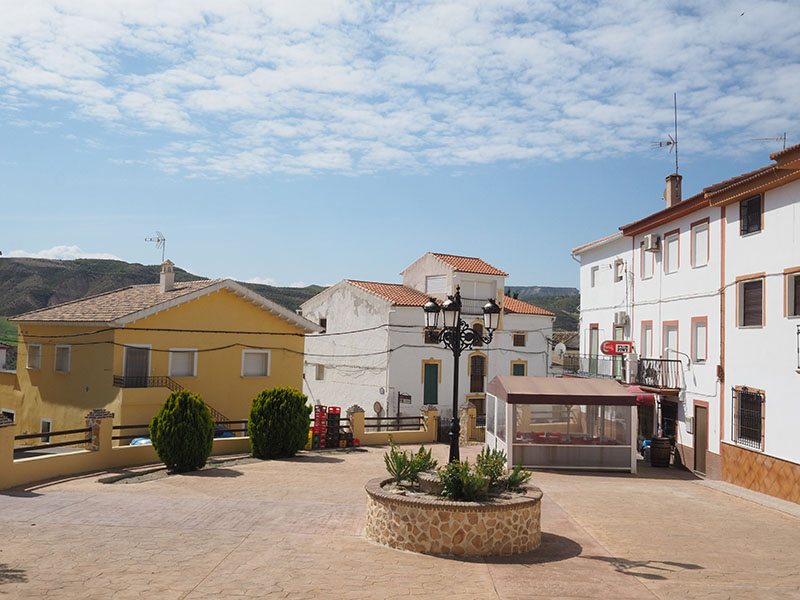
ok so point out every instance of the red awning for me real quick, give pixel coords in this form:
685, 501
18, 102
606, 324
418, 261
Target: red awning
560, 390
642, 398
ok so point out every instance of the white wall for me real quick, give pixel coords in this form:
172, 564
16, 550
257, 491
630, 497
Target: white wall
766, 357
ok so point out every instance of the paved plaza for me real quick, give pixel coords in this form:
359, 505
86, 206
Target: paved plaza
293, 529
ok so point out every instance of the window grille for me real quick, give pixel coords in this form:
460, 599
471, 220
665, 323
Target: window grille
477, 372
747, 420
750, 215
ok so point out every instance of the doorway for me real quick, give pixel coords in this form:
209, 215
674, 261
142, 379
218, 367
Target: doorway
700, 437
136, 367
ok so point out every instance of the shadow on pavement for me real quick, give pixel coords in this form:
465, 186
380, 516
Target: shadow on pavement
644, 471
213, 472
9, 575
312, 458
554, 548
631, 567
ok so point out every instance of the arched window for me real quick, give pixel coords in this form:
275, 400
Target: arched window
477, 373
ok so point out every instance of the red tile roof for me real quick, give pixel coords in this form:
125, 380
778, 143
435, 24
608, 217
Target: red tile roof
513, 305
396, 293
468, 264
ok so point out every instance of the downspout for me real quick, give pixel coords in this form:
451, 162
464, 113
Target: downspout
721, 371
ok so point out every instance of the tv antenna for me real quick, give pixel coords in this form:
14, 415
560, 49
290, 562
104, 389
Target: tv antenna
775, 139
161, 242
672, 142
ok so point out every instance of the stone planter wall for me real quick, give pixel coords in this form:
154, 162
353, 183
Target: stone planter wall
434, 526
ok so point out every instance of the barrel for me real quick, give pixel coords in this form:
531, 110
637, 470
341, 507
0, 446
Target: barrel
660, 452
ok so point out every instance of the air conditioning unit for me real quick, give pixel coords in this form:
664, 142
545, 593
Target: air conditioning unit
620, 318
651, 242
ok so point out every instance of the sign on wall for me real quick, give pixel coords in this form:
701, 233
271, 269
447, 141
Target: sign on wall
616, 347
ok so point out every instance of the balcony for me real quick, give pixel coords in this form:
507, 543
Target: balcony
473, 306
143, 381
654, 373
659, 373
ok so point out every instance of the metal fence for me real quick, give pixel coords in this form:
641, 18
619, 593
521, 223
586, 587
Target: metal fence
46, 435
659, 373
393, 423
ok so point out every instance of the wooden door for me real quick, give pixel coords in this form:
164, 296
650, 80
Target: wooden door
700, 438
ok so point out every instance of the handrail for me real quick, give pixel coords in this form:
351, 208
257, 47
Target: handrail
41, 434
663, 373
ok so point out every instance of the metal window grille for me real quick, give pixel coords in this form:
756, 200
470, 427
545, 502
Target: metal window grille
477, 371
431, 336
519, 339
747, 424
750, 215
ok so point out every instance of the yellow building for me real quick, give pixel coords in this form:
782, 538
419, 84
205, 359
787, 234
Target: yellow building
126, 350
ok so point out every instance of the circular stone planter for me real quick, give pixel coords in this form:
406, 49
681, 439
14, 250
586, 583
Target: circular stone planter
438, 526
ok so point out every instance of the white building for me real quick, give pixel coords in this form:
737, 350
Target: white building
375, 352
711, 282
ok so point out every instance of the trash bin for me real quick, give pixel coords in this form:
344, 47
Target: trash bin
660, 452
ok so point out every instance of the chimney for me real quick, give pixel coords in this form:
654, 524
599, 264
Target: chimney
672, 193
167, 279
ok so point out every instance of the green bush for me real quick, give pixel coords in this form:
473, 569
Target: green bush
491, 464
183, 432
462, 483
278, 424
515, 479
398, 462
422, 461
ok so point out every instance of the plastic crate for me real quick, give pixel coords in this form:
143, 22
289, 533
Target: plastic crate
342, 443
335, 410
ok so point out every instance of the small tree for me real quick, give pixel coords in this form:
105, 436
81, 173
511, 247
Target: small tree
278, 424
183, 432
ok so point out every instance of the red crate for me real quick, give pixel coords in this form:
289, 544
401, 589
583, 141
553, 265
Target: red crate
335, 409
356, 442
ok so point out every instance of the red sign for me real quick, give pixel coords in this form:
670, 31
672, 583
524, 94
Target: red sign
616, 347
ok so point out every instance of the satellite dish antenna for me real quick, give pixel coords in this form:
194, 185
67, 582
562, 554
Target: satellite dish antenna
378, 408
161, 242
672, 142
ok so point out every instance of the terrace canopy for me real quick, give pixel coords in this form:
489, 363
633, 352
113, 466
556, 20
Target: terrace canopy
565, 423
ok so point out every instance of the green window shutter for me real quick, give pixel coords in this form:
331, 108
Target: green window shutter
431, 385
518, 370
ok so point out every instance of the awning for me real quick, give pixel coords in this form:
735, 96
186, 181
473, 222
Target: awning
560, 390
643, 398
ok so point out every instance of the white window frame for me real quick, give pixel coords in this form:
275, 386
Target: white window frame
790, 285
593, 275
695, 229
319, 372
45, 438
436, 284
28, 360
647, 258
619, 270
10, 411
55, 358
647, 340
194, 362
740, 309
695, 337
269, 361
668, 268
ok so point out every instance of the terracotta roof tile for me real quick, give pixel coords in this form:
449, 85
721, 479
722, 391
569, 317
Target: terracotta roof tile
468, 264
396, 293
114, 305
513, 305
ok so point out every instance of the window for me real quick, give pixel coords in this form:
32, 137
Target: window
669, 340
519, 368
699, 338
62, 358
477, 372
748, 417
478, 329
671, 252
648, 260
183, 362
431, 336
594, 346
593, 274
46, 426
436, 284
255, 363
751, 303
700, 244
323, 322
792, 284
34, 356
619, 270
9, 414
430, 383
319, 375
519, 340
750, 215
647, 339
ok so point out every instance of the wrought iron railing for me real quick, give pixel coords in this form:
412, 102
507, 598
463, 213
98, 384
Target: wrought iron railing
662, 373
747, 422
143, 381
394, 423
46, 435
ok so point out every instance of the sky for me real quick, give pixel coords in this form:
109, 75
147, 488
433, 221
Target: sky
293, 143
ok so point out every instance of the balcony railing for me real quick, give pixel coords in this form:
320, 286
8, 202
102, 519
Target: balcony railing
473, 306
659, 373
137, 381
601, 365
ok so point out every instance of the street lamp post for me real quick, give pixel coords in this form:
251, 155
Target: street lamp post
456, 335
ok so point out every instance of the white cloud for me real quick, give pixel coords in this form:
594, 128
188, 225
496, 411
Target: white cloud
298, 284
243, 88
62, 253
261, 280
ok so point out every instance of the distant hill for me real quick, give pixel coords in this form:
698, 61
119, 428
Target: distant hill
30, 283
564, 302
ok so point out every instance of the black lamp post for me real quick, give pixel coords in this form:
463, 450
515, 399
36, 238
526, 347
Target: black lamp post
458, 336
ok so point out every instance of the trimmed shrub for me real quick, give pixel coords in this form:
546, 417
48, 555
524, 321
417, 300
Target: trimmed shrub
462, 483
491, 464
183, 432
278, 424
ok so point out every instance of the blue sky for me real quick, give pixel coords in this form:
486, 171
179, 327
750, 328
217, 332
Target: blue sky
304, 142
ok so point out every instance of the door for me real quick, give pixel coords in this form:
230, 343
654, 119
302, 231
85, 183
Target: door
700, 438
137, 366
430, 386
594, 343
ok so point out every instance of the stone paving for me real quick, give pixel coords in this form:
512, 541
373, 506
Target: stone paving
293, 529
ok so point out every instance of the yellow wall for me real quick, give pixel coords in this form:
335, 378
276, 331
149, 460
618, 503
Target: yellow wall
66, 398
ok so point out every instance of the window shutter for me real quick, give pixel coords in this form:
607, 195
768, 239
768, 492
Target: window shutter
796, 295
182, 364
751, 299
477, 371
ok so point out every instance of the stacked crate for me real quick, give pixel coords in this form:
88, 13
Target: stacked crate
326, 430
334, 419
319, 427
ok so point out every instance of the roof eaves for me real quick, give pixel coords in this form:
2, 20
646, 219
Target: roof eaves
597, 243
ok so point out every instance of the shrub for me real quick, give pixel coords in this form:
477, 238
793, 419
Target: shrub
515, 479
422, 461
183, 432
461, 483
404, 466
491, 464
278, 424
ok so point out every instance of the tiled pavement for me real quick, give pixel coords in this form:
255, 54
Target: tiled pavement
292, 529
